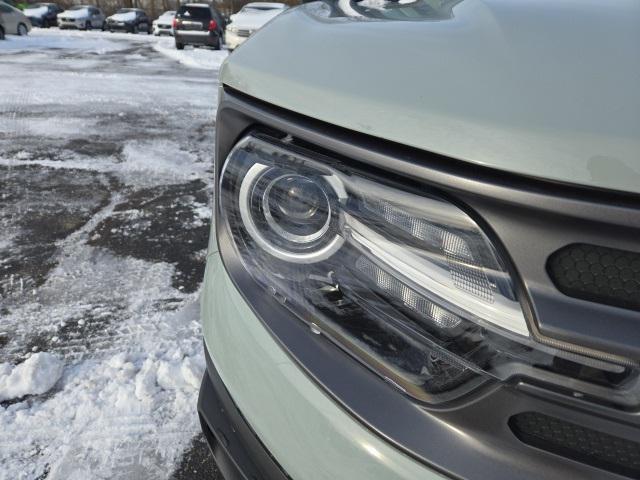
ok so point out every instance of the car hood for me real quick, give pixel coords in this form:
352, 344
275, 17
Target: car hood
123, 17
37, 12
253, 21
544, 89
75, 14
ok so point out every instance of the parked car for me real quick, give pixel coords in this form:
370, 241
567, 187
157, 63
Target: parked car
198, 24
163, 25
248, 20
425, 262
43, 15
13, 21
84, 17
132, 20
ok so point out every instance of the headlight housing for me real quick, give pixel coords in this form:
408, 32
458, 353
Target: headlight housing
401, 278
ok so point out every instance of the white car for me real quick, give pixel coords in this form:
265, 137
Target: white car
83, 17
252, 16
164, 23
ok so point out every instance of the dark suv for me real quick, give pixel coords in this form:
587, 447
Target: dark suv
198, 24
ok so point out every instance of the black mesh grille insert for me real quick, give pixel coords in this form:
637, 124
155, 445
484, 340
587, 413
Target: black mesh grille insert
582, 444
597, 274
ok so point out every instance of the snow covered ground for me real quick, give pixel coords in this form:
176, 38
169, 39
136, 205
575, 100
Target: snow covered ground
106, 144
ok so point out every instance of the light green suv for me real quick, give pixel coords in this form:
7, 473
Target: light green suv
425, 261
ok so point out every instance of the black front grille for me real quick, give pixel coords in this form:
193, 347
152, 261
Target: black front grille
601, 450
597, 274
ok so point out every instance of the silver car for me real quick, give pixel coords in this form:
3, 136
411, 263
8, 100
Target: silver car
82, 17
12, 21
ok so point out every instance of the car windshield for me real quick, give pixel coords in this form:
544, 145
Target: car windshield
194, 12
169, 13
125, 10
79, 7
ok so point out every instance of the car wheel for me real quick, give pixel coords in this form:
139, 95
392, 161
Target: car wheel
134, 29
22, 30
1, 33
45, 23
87, 26
219, 43
180, 46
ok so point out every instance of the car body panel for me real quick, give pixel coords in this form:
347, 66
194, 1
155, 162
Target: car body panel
484, 85
256, 371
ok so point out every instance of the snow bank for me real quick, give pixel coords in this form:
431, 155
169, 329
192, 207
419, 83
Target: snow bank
35, 376
192, 57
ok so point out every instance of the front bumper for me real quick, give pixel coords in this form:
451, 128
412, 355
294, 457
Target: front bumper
71, 23
238, 452
162, 30
307, 433
123, 27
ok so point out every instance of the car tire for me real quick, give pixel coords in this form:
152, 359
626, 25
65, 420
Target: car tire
1, 33
219, 43
87, 26
180, 46
45, 23
23, 30
134, 29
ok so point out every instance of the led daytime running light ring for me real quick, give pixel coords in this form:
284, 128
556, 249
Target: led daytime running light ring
249, 181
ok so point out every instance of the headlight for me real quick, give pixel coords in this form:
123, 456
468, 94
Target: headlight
396, 275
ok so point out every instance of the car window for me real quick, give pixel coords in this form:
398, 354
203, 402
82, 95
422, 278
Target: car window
197, 13
5, 8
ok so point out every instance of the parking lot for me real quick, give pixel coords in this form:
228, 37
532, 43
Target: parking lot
106, 151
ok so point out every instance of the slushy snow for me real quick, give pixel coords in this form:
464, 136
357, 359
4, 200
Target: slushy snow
35, 376
119, 403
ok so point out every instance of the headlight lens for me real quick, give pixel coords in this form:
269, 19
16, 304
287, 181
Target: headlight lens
404, 281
